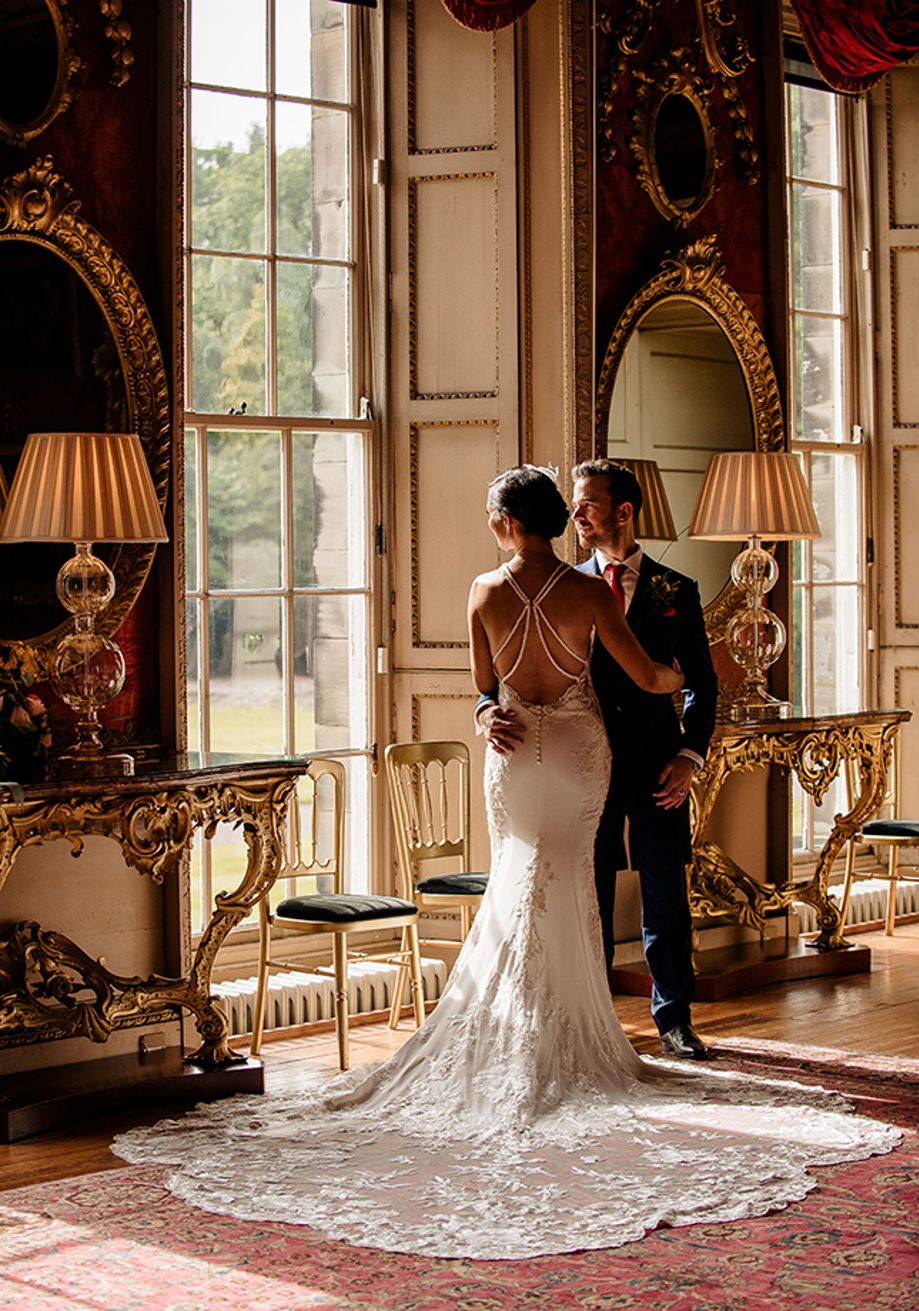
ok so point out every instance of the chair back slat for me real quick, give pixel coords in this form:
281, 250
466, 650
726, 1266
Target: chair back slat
430, 809
332, 808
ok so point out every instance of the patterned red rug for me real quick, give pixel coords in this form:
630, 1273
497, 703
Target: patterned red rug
117, 1241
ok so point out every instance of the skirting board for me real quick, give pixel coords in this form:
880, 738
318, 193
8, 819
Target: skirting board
724, 971
39, 1100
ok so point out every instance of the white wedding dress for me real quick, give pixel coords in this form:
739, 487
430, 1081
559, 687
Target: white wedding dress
518, 1120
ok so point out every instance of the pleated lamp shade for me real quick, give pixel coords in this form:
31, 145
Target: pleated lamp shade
82, 487
655, 522
753, 494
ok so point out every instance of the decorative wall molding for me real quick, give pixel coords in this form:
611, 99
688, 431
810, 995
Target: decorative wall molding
898, 297
899, 538
118, 31
577, 205
414, 186
412, 87
414, 433
434, 696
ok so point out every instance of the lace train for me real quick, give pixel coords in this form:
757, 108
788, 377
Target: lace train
518, 1120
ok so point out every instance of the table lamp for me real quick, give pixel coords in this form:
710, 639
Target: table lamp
654, 522
84, 487
750, 496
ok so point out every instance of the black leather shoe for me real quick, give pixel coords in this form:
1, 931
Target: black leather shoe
683, 1041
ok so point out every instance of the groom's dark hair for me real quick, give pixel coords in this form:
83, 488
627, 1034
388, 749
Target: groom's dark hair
531, 497
623, 485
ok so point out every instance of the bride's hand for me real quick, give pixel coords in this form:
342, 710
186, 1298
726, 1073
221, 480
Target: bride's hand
671, 678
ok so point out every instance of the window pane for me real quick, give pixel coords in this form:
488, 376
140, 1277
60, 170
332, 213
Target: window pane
312, 160
246, 701
836, 650
312, 340
228, 136
329, 548
228, 334
244, 509
814, 138
330, 681
317, 28
834, 491
815, 250
191, 657
819, 385
191, 512
229, 43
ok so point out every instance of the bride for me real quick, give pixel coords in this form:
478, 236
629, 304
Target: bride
518, 1120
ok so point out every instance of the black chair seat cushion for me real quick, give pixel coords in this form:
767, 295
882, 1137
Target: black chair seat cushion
892, 828
465, 885
343, 908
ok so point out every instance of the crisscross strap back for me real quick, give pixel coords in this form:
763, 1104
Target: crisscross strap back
533, 616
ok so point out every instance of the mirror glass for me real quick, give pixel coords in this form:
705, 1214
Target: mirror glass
680, 151
59, 371
679, 396
29, 56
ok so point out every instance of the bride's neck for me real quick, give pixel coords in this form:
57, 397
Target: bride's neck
533, 550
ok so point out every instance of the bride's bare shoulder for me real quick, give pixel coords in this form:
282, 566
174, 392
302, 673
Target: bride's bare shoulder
484, 586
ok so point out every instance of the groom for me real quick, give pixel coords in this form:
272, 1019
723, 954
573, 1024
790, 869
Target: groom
654, 757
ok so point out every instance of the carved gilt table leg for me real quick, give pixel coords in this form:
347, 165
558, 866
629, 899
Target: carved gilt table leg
263, 811
871, 748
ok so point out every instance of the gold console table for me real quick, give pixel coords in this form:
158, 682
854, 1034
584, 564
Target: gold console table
813, 750
49, 987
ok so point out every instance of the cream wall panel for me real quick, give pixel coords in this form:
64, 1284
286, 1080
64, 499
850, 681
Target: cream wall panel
453, 225
904, 292
451, 83
906, 693
906, 498
903, 133
439, 707
452, 465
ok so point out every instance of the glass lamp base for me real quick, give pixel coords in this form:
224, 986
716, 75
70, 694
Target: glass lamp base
106, 764
759, 710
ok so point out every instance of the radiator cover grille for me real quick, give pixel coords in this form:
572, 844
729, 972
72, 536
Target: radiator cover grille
295, 998
867, 903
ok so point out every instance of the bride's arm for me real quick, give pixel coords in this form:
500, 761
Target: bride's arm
483, 674
624, 647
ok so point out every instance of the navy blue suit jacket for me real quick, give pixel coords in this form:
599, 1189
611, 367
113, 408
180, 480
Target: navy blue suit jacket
644, 729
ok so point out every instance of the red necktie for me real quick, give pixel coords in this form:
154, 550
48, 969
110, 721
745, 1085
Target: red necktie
614, 574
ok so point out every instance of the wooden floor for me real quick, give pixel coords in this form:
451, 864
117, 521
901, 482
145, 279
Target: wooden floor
876, 1012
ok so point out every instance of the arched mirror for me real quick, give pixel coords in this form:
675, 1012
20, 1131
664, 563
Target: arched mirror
77, 352
37, 66
687, 373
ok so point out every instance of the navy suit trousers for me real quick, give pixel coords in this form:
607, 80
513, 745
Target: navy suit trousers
659, 843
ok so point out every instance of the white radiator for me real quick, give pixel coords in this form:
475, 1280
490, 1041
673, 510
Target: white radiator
867, 903
295, 998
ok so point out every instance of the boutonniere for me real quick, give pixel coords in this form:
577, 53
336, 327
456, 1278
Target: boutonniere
663, 588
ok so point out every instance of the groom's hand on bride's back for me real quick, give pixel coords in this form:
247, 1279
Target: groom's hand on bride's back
503, 732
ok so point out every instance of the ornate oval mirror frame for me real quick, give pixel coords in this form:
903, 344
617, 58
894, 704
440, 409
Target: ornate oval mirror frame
37, 206
62, 94
654, 89
697, 274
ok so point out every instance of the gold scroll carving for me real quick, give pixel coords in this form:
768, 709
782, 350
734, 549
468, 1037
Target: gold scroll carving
49, 987
813, 750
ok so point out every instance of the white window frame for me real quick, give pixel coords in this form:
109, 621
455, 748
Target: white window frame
854, 397
358, 424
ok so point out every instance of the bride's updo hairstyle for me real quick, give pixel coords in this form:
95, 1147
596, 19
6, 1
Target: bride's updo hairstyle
531, 497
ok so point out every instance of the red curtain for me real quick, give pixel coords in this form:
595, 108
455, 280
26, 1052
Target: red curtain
853, 43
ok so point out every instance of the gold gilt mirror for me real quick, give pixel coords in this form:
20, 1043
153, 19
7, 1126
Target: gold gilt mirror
687, 373
673, 141
37, 66
78, 352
